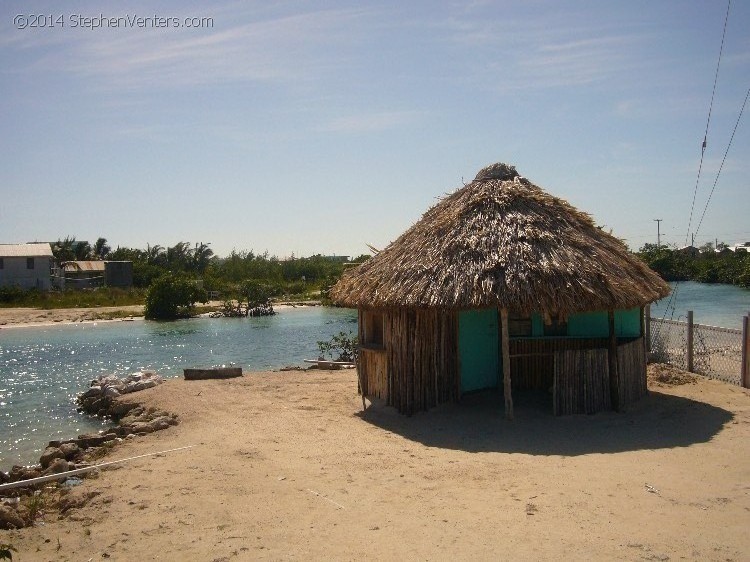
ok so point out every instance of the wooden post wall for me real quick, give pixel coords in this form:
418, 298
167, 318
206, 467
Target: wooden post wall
506, 364
614, 380
745, 373
690, 334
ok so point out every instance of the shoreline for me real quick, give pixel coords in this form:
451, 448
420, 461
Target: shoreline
286, 465
26, 317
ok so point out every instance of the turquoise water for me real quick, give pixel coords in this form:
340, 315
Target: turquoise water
712, 304
43, 369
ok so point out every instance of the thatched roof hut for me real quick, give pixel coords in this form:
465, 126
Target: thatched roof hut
500, 244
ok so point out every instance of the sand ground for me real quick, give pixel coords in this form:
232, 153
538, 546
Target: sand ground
22, 317
287, 466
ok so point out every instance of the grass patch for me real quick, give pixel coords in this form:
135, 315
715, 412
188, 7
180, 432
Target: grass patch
86, 298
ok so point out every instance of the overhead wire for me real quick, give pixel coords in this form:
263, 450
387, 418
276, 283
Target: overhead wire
739, 117
671, 303
708, 122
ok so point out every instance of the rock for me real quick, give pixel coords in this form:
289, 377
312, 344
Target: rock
49, 455
111, 392
93, 440
57, 466
91, 392
119, 409
18, 473
10, 519
4, 477
70, 450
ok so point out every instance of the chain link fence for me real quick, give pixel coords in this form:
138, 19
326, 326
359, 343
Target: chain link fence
717, 352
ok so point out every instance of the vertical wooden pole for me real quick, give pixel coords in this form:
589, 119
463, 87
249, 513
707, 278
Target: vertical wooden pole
506, 365
745, 370
614, 379
647, 325
690, 341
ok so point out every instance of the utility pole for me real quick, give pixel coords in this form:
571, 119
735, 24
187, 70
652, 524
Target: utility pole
658, 234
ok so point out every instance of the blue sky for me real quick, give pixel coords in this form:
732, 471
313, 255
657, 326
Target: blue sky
300, 127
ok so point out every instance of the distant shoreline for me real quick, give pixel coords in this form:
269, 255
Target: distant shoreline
40, 318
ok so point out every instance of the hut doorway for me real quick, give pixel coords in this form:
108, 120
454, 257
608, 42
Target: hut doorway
478, 351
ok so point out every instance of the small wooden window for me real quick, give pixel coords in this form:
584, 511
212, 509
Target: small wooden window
29, 263
519, 326
373, 329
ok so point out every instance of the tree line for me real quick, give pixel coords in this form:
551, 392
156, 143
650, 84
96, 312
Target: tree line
705, 265
198, 262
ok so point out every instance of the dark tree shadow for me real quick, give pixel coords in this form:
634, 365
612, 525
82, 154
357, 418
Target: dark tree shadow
477, 424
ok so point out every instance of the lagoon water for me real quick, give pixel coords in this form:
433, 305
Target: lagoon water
712, 304
43, 369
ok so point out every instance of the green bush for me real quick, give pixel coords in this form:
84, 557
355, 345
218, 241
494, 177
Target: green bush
341, 347
171, 297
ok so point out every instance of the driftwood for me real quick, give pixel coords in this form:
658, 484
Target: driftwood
212, 373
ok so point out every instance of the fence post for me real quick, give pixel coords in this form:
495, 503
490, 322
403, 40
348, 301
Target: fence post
647, 325
745, 370
690, 341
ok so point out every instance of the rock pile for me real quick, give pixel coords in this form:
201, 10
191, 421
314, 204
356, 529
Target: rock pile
99, 399
61, 456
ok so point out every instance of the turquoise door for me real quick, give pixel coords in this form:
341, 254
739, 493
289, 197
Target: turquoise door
478, 349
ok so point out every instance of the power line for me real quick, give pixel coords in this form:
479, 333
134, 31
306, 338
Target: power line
708, 121
723, 160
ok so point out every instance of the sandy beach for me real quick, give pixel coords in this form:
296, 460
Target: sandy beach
24, 317
29, 317
287, 466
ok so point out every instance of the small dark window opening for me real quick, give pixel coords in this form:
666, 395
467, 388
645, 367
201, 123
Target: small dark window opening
556, 328
29, 263
374, 329
2, 265
519, 326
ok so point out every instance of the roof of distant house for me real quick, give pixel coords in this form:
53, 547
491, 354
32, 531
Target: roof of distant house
83, 266
25, 250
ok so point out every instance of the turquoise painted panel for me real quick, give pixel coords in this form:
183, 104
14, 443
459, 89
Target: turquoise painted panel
596, 324
478, 349
537, 325
628, 323
589, 325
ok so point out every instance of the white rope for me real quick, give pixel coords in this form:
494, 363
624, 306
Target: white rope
61, 475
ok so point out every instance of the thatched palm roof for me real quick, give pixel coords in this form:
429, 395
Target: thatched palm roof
502, 241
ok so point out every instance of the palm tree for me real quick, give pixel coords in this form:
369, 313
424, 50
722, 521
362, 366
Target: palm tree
178, 256
64, 250
101, 250
201, 256
155, 255
82, 251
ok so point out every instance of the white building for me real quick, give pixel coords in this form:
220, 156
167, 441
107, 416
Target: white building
27, 266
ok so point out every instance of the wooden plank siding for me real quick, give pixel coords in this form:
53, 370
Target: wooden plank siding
631, 367
417, 366
417, 369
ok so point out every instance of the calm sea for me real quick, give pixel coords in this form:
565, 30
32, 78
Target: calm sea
715, 305
43, 369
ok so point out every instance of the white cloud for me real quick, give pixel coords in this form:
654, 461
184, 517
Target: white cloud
295, 47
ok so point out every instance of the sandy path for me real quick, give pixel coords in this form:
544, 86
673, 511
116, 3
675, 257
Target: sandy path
285, 466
